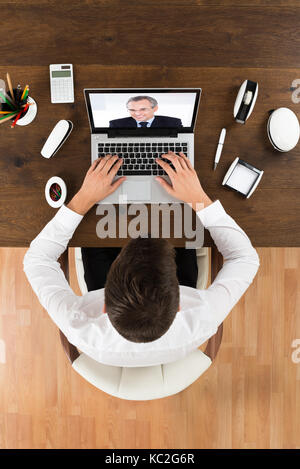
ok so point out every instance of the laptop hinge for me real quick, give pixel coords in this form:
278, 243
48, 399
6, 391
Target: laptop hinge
137, 132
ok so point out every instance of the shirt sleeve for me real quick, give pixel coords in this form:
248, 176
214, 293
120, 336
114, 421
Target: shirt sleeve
241, 261
44, 272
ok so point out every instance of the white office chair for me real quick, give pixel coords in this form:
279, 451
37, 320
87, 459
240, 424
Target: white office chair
150, 382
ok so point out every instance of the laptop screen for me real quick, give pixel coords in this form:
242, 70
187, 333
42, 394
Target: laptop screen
140, 108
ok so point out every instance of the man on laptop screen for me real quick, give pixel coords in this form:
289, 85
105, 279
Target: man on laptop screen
142, 110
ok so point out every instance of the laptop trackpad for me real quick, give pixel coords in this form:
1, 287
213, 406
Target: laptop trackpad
137, 190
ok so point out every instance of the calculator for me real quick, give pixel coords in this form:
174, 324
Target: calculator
61, 83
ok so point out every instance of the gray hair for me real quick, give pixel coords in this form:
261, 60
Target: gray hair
152, 101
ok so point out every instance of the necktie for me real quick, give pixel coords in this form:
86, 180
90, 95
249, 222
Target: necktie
143, 124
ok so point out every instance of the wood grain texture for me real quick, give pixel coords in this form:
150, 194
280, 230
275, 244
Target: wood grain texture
267, 217
102, 3
249, 398
210, 34
177, 43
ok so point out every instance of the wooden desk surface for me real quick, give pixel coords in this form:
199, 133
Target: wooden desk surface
199, 44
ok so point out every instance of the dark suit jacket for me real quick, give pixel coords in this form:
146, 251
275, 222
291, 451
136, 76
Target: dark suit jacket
159, 121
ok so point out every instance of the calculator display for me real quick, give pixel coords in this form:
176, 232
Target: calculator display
58, 73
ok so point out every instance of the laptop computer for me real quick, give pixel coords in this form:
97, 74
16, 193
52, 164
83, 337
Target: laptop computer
140, 125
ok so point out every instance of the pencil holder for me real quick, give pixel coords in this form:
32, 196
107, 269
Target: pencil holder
28, 115
55, 192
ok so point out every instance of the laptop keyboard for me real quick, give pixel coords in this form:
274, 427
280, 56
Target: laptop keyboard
139, 158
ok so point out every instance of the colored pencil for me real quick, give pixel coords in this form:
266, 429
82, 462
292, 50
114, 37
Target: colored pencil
4, 119
6, 96
9, 114
18, 94
10, 88
24, 91
5, 112
55, 192
6, 99
18, 116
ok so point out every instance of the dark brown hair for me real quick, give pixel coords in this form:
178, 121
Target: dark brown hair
142, 290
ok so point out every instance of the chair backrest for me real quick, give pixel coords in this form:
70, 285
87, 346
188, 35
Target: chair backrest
151, 382
144, 383
202, 261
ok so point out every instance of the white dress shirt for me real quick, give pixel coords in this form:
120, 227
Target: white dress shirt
149, 122
83, 322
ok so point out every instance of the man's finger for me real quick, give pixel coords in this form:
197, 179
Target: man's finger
93, 166
114, 166
170, 172
174, 160
165, 185
117, 183
111, 163
103, 162
186, 160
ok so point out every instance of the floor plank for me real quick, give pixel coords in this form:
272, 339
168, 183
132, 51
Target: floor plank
249, 398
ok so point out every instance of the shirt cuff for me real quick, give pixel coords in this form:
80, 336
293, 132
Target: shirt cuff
68, 218
209, 215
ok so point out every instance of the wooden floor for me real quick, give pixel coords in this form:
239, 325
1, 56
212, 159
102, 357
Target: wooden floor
249, 398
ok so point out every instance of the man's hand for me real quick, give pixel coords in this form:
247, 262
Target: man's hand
185, 183
97, 183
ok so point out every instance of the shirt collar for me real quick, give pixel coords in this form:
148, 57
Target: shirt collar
150, 120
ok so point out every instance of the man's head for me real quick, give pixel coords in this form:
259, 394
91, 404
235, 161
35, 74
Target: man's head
142, 290
142, 108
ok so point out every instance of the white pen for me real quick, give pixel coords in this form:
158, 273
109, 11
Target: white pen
220, 147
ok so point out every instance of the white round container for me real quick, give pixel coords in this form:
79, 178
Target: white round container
283, 129
51, 193
30, 114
